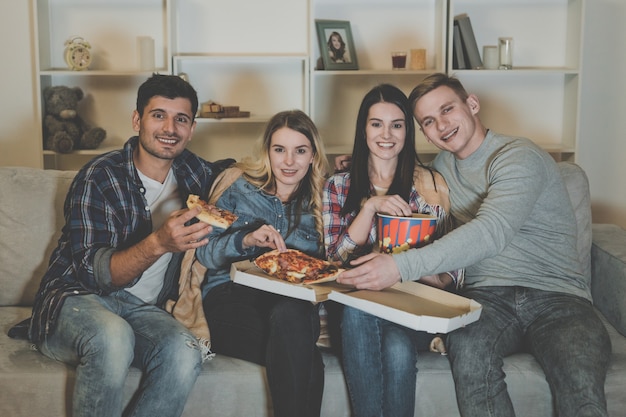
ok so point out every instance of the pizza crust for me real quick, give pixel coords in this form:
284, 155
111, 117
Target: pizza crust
210, 214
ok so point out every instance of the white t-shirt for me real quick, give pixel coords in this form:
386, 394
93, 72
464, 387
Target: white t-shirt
380, 190
162, 199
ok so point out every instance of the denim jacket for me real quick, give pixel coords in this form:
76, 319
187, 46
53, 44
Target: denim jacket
254, 208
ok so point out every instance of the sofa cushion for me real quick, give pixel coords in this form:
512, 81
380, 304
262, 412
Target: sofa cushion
34, 385
232, 387
577, 186
32, 201
609, 273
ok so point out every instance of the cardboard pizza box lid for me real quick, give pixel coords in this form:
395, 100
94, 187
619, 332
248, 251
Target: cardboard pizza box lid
248, 274
410, 304
414, 305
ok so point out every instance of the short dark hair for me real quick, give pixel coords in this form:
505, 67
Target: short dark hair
168, 86
434, 81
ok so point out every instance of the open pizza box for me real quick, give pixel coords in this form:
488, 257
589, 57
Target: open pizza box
414, 305
248, 274
411, 304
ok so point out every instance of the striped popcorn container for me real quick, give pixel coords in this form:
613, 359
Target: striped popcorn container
396, 234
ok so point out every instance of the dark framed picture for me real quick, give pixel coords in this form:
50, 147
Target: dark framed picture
336, 45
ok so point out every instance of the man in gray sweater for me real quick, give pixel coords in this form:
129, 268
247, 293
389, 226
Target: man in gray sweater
516, 237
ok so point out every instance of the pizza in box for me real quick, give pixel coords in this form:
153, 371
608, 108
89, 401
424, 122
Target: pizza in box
297, 267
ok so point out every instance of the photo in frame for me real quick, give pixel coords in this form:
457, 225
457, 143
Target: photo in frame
336, 45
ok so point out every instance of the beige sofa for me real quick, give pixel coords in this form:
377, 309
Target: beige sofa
31, 203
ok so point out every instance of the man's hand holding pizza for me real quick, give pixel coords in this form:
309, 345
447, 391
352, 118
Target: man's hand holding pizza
265, 236
175, 235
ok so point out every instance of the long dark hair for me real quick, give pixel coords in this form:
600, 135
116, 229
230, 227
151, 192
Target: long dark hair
338, 53
402, 183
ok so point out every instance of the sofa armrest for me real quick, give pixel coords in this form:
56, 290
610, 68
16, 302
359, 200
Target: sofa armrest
608, 272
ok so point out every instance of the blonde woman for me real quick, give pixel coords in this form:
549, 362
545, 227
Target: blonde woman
277, 198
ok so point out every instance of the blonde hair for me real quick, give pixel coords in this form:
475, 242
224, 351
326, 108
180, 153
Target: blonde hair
258, 171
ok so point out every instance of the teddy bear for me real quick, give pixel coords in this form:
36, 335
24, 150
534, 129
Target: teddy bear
64, 129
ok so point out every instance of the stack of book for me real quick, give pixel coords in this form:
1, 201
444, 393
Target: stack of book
465, 49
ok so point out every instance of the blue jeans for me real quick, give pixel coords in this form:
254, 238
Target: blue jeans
561, 331
103, 335
379, 360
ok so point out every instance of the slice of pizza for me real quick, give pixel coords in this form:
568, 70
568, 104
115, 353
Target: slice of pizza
297, 267
210, 214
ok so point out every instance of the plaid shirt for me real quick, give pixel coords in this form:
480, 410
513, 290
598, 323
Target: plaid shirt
105, 211
339, 246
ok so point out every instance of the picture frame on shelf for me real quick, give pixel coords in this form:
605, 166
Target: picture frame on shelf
336, 45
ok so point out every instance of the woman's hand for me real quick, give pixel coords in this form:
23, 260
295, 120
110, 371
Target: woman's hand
360, 228
265, 236
393, 205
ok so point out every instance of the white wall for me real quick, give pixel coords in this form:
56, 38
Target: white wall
602, 144
18, 125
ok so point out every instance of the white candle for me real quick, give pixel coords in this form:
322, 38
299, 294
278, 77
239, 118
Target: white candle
145, 45
490, 57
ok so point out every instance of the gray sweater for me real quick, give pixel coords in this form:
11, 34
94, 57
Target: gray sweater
515, 222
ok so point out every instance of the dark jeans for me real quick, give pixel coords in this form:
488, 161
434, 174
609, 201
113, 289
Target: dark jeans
561, 331
277, 332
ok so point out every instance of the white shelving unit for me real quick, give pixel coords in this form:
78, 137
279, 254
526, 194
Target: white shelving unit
540, 97
241, 57
378, 28
260, 84
112, 27
265, 62
249, 81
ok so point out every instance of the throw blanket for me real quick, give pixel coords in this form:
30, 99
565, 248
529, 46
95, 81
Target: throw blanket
188, 308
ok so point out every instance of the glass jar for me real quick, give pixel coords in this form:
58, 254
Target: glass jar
506, 53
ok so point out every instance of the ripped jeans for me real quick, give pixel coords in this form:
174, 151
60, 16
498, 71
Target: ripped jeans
103, 335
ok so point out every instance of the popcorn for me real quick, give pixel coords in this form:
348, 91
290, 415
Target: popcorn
397, 234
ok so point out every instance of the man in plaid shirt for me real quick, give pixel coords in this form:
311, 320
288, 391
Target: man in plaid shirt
98, 306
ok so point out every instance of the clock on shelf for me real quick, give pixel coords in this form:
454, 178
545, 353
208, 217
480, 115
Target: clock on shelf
77, 54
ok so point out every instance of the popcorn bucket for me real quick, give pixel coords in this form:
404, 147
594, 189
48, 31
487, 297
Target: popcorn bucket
396, 234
